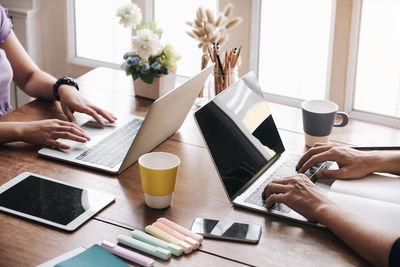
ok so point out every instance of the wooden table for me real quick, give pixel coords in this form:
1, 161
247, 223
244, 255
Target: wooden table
199, 192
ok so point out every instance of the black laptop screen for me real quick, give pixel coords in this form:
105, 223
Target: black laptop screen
240, 133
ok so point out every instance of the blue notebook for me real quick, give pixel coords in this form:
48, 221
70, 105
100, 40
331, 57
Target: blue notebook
95, 256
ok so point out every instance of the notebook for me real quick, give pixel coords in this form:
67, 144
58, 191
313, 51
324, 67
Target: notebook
63, 257
375, 198
95, 256
246, 148
115, 147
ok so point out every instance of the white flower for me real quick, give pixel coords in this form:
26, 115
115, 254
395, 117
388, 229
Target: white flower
130, 15
146, 44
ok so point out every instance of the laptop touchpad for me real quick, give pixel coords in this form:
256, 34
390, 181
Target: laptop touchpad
95, 130
96, 125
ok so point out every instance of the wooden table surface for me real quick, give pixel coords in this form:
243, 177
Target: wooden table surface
199, 192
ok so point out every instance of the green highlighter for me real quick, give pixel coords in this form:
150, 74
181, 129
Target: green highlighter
144, 247
149, 239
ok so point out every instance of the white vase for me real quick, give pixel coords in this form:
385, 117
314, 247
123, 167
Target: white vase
161, 85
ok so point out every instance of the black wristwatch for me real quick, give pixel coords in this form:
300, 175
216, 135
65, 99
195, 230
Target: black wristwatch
63, 80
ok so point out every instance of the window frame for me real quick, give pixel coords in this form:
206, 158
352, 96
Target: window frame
255, 46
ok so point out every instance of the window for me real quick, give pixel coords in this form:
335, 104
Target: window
377, 81
343, 50
101, 40
98, 35
174, 28
294, 47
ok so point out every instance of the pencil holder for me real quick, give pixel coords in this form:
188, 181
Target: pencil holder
223, 79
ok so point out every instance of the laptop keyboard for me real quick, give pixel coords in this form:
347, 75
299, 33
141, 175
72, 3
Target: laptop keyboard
287, 168
111, 150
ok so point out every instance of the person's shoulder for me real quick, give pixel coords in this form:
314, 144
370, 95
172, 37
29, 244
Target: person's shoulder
5, 24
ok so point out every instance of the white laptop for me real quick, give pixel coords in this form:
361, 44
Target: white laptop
115, 147
247, 151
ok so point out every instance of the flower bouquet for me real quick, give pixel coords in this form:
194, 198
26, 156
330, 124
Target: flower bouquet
209, 30
148, 58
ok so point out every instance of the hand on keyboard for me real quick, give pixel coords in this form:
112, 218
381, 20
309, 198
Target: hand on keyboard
48, 132
286, 169
298, 193
352, 163
112, 150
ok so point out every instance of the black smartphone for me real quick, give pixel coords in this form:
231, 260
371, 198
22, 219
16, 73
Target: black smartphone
228, 230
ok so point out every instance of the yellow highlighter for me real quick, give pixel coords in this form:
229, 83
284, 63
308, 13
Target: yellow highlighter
195, 244
154, 231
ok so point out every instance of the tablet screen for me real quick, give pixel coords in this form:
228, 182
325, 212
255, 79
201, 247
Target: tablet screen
45, 199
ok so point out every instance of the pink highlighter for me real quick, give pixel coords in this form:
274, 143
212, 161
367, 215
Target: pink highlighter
127, 254
193, 243
181, 229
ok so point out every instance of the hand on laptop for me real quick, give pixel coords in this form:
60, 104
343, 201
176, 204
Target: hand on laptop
352, 163
71, 101
46, 133
298, 193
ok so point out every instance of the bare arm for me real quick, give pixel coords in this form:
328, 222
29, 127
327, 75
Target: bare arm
27, 74
387, 161
10, 132
38, 83
43, 133
370, 241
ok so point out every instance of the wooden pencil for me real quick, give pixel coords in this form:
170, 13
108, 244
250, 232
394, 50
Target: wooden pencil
237, 56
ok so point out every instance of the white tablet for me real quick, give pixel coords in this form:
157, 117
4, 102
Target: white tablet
49, 201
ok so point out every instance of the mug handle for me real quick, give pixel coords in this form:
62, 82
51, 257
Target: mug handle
345, 119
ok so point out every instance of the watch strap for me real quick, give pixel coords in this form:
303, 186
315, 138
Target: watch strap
63, 80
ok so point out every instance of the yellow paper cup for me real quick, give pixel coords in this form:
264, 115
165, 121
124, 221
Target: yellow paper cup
158, 173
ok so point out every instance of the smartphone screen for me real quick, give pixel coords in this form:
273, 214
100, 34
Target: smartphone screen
227, 230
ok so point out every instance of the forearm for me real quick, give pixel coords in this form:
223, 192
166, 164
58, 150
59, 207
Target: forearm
370, 241
385, 161
40, 84
11, 131
27, 75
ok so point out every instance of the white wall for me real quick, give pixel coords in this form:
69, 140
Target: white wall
53, 24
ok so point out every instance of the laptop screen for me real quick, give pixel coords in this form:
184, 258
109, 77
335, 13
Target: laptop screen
240, 133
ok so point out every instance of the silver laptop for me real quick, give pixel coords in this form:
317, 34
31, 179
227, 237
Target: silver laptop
246, 148
115, 147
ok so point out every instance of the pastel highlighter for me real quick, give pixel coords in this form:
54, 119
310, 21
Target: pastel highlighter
175, 249
181, 229
195, 244
154, 231
144, 247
